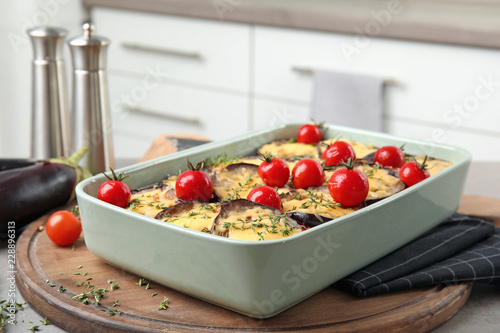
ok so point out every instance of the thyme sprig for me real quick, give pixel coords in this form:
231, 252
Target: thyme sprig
164, 304
371, 172
315, 200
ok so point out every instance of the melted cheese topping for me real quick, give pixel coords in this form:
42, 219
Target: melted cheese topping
314, 201
286, 150
235, 184
152, 202
200, 217
170, 180
255, 224
382, 184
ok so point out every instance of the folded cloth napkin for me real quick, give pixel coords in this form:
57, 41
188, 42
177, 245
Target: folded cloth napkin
461, 249
348, 99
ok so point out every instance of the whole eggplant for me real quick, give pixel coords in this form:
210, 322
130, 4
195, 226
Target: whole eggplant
14, 163
28, 192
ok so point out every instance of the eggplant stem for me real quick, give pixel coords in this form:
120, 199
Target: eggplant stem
81, 173
78, 155
73, 160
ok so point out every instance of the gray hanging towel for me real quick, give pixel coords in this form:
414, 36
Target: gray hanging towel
348, 99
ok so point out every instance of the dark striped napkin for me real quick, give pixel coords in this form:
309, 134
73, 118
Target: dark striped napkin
461, 249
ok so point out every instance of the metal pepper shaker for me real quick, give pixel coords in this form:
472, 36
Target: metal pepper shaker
91, 120
50, 117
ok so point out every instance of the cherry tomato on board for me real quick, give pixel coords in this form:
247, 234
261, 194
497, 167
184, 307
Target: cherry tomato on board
412, 172
390, 157
274, 171
265, 195
194, 184
349, 187
338, 152
310, 133
114, 190
63, 228
307, 173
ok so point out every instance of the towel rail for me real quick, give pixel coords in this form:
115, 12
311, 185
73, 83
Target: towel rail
310, 71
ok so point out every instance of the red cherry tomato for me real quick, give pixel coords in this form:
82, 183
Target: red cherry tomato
349, 187
194, 184
63, 228
390, 157
265, 195
412, 173
338, 152
274, 171
309, 133
114, 192
307, 173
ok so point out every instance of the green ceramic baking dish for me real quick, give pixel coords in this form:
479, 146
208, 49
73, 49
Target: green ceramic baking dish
261, 279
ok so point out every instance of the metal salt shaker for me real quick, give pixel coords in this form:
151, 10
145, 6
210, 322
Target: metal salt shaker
50, 123
91, 121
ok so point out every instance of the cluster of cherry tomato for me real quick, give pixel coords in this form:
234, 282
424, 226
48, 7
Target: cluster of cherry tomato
350, 186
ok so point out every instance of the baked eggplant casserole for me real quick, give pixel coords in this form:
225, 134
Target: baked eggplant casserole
229, 214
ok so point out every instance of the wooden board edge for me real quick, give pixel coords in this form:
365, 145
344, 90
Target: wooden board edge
39, 295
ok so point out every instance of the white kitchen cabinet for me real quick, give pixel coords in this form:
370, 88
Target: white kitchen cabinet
170, 108
210, 53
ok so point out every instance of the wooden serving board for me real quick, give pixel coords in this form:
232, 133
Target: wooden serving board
40, 264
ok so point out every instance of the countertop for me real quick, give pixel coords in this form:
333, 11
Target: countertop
480, 313
458, 22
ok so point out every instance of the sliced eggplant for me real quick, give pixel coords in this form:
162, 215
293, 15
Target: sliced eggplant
315, 201
246, 220
288, 150
196, 215
235, 181
219, 162
308, 220
151, 200
369, 159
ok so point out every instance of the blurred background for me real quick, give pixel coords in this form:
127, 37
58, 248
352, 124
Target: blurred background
223, 67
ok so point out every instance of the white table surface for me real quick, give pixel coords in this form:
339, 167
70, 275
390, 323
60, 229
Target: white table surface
480, 314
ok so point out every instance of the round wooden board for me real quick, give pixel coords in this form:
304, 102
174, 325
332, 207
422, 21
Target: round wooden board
40, 264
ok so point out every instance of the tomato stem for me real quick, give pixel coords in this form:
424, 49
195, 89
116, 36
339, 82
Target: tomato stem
120, 177
320, 125
198, 166
424, 164
267, 157
349, 164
